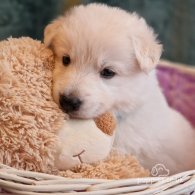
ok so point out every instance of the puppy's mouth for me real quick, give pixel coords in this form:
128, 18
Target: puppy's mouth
86, 114
78, 115
78, 109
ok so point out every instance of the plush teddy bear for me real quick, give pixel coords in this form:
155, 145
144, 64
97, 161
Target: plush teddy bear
85, 141
36, 135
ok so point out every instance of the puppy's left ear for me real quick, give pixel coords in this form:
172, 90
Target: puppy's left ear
147, 51
51, 30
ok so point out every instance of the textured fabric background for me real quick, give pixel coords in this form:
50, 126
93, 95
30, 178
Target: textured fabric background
173, 20
27, 17
178, 86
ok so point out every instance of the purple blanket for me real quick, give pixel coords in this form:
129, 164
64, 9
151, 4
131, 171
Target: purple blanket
179, 89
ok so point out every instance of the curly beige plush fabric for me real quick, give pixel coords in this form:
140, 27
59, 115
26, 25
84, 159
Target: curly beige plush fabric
29, 118
116, 166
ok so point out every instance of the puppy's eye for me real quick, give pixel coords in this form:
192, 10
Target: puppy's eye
107, 73
66, 60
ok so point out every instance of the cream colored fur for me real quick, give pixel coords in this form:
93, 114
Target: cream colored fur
97, 36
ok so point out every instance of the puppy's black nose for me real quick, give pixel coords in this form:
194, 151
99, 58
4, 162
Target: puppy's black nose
69, 103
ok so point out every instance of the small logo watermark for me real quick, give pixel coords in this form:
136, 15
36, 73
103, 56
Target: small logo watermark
159, 170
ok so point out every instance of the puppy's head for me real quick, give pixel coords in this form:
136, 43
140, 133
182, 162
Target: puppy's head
102, 55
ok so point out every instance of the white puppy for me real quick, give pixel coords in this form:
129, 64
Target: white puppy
105, 60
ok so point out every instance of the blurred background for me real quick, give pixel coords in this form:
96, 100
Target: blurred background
173, 21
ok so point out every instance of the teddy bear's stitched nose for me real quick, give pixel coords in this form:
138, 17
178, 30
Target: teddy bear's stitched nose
69, 103
79, 156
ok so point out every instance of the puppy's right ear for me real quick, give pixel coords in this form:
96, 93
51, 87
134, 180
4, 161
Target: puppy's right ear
147, 52
51, 30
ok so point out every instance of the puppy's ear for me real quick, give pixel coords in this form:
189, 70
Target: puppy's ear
147, 51
51, 30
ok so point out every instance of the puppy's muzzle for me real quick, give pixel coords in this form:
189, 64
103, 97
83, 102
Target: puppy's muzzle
69, 103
